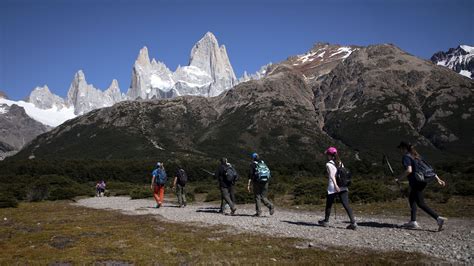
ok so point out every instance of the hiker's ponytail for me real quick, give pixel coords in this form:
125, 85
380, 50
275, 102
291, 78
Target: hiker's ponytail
337, 160
412, 151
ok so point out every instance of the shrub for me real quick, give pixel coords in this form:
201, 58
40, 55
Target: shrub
213, 195
54, 187
201, 189
464, 188
311, 191
141, 193
8, 201
370, 191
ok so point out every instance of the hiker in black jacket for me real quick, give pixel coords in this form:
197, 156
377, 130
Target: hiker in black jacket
226, 186
259, 176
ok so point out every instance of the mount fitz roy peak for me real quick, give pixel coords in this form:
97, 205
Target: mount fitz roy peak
460, 59
208, 74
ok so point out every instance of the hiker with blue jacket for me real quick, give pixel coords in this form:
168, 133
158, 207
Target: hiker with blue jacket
419, 173
158, 182
259, 177
227, 176
334, 190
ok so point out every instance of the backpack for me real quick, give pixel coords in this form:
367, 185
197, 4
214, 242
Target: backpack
160, 176
343, 176
230, 174
262, 172
424, 172
182, 177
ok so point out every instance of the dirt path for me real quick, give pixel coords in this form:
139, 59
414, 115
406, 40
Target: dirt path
455, 243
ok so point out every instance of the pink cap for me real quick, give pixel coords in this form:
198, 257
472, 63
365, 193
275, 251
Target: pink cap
331, 151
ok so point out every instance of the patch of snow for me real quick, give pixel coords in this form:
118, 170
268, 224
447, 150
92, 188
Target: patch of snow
52, 117
157, 82
321, 54
465, 73
343, 49
3, 110
467, 48
441, 63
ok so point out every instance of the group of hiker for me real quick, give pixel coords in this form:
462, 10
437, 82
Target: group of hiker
417, 170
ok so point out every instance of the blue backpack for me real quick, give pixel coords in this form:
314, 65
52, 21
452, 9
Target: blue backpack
262, 171
160, 176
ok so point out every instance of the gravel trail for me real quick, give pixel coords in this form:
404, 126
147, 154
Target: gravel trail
455, 243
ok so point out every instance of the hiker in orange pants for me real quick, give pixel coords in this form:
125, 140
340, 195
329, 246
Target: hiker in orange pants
158, 182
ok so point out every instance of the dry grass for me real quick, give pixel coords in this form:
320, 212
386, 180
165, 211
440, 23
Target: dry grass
48, 232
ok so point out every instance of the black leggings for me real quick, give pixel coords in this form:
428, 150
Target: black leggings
344, 196
416, 198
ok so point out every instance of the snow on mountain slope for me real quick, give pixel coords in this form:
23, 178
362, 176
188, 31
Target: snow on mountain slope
460, 59
52, 117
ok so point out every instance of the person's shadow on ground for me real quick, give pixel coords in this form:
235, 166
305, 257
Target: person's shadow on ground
302, 223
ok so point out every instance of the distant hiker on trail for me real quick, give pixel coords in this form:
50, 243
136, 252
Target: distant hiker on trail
334, 167
179, 184
100, 188
419, 173
227, 176
158, 182
259, 176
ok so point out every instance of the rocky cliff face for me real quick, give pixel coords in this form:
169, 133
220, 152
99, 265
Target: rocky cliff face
460, 59
368, 99
208, 74
84, 97
42, 98
16, 129
380, 95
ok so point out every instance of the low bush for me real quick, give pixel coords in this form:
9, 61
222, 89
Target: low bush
213, 195
464, 188
140, 193
310, 191
371, 191
7, 200
54, 187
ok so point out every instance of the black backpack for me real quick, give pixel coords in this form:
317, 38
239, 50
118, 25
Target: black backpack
424, 172
343, 176
182, 177
230, 174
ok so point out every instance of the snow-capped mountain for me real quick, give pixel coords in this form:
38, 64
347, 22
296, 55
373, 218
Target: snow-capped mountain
52, 117
460, 59
85, 98
257, 75
208, 74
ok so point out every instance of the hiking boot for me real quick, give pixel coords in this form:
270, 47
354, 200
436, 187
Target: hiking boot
258, 214
272, 210
232, 212
411, 225
158, 206
323, 223
352, 226
441, 221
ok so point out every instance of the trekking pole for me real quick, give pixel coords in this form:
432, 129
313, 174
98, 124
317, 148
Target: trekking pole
385, 160
208, 172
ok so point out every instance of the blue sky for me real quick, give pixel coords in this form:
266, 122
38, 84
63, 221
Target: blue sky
47, 41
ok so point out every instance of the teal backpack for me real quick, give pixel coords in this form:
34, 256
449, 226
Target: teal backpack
262, 172
160, 176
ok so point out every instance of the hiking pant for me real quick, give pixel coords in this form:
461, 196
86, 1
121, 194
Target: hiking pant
159, 193
260, 191
416, 198
228, 194
181, 193
344, 196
